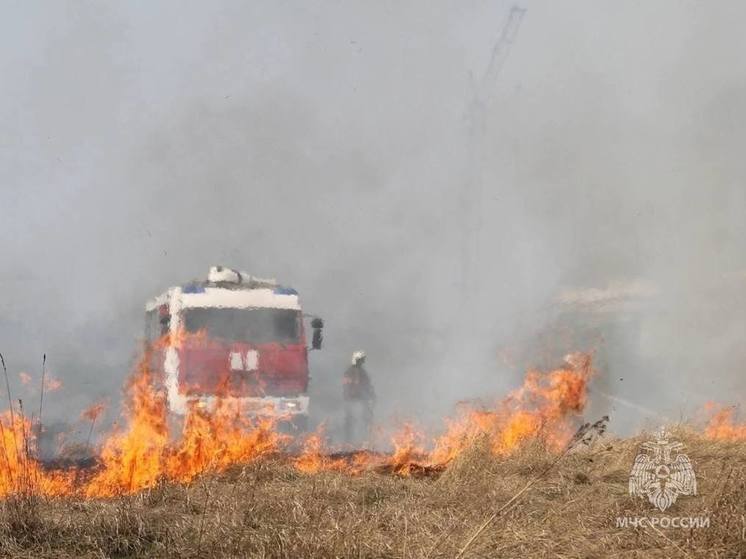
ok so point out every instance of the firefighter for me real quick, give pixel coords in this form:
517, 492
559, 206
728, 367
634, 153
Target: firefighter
358, 399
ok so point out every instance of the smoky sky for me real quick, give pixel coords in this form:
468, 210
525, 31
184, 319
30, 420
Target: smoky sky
327, 144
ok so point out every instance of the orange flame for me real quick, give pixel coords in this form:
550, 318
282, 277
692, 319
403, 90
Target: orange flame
407, 449
144, 451
722, 424
133, 459
93, 412
182, 338
20, 473
313, 459
315, 456
215, 441
545, 407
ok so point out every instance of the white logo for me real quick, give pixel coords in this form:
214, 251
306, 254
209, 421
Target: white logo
660, 478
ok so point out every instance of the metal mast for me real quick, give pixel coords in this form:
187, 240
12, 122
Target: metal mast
476, 117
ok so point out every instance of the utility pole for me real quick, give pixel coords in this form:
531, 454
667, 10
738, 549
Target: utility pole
473, 189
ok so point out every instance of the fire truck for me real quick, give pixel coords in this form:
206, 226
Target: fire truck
233, 336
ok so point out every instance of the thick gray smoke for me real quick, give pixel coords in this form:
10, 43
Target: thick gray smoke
327, 144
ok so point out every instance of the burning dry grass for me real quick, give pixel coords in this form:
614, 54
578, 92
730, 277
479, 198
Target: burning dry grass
504, 482
145, 452
271, 509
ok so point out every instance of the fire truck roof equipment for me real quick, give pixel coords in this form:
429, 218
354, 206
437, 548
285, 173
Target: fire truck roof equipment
230, 288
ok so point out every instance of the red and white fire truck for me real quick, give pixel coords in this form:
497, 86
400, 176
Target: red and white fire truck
236, 337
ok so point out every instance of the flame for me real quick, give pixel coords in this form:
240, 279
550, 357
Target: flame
20, 473
149, 448
214, 441
315, 456
134, 458
181, 338
407, 449
545, 407
93, 412
146, 451
722, 423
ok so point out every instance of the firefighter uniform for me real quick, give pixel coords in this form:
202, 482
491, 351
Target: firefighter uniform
358, 400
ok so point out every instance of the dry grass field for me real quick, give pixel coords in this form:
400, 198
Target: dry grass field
526, 505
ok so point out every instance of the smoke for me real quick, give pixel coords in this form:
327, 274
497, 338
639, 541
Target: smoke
328, 145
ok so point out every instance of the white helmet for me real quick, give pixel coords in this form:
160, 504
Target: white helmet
358, 357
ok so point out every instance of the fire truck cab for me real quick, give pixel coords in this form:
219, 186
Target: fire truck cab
233, 336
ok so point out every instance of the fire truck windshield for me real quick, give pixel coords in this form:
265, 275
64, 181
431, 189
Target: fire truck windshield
253, 326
